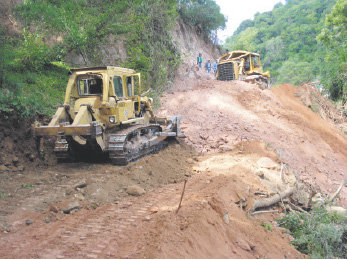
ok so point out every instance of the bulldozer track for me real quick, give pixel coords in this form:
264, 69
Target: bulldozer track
120, 155
79, 237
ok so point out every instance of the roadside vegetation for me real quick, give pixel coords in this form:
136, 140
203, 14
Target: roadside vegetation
320, 234
300, 41
33, 72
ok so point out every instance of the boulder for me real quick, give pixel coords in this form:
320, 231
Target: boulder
135, 190
73, 205
3, 168
265, 162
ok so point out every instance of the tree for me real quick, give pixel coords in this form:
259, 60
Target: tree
333, 36
205, 15
295, 71
244, 41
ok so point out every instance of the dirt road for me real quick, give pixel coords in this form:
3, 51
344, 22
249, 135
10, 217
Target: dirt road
210, 223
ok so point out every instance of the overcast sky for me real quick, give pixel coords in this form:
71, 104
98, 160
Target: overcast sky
239, 10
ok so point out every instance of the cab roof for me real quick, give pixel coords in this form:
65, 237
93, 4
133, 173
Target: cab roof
108, 69
236, 54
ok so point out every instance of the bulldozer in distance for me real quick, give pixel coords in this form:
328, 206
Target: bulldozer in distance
104, 110
242, 65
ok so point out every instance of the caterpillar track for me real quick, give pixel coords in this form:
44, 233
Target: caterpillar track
132, 143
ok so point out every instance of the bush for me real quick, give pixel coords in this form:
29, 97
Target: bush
321, 234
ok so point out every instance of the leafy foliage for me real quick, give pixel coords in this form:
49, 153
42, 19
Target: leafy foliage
286, 38
320, 234
205, 15
333, 36
29, 82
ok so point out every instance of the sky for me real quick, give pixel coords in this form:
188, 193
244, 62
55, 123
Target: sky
240, 10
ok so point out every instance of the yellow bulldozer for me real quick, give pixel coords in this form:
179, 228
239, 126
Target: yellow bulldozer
104, 110
242, 65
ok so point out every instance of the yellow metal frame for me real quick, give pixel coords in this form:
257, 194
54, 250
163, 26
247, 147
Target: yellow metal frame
238, 58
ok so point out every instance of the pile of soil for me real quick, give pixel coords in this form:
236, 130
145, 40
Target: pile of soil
17, 146
217, 115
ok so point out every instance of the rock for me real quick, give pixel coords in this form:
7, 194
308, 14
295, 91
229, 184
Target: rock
337, 209
229, 127
20, 168
32, 157
71, 206
244, 245
7, 162
225, 148
99, 191
135, 190
190, 161
93, 205
53, 209
80, 186
28, 222
260, 173
15, 159
265, 162
3, 168
79, 196
226, 218
203, 136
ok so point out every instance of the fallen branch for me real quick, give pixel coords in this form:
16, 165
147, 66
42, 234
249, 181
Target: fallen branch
298, 208
264, 211
281, 175
273, 200
309, 201
184, 188
338, 191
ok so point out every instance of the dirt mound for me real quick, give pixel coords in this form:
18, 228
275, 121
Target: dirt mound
217, 115
17, 145
212, 222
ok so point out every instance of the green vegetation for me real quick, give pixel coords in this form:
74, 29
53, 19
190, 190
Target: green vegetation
203, 14
320, 234
286, 38
28, 186
333, 36
266, 225
33, 73
28, 81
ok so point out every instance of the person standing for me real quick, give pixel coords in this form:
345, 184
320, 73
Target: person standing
199, 60
208, 66
214, 67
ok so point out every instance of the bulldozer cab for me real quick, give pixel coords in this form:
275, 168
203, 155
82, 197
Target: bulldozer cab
88, 85
102, 82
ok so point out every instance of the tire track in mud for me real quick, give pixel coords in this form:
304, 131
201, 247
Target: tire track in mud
107, 232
